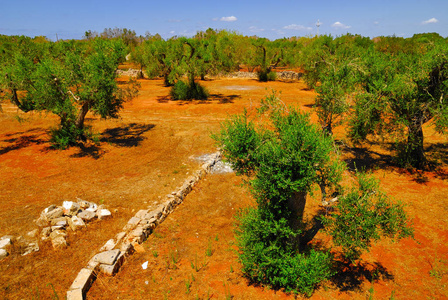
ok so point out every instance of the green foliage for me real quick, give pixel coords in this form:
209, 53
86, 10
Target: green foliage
63, 137
188, 91
331, 66
364, 215
268, 256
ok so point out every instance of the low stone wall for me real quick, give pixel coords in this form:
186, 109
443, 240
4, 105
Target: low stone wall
130, 72
282, 75
115, 251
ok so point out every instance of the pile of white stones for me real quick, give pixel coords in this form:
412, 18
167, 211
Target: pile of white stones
53, 223
55, 220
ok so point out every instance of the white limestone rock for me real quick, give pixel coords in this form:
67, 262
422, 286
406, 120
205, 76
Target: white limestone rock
3, 253
5, 241
103, 213
30, 248
71, 208
33, 234
87, 215
54, 213
76, 223
45, 233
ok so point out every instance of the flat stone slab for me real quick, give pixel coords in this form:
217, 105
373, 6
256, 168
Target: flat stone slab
107, 257
55, 213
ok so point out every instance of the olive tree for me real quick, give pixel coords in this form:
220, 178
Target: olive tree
71, 81
400, 91
282, 161
164, 58
331, 66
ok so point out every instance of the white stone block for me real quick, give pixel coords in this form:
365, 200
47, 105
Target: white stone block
83, 281
75, 295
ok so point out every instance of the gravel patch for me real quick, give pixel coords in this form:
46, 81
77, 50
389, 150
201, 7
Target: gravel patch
219, 167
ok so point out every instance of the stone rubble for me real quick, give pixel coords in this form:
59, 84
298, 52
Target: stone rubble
53, 223
115, 251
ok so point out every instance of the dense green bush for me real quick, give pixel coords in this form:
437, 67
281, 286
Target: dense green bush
188, 91
268, 254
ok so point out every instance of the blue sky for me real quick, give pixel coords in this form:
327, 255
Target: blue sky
271, 19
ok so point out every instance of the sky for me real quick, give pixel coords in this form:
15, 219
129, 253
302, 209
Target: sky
273, 19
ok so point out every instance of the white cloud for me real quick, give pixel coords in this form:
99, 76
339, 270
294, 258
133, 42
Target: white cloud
376, 23
228, 19
278, 31
430, 21
339, 25
297, 27
255, 29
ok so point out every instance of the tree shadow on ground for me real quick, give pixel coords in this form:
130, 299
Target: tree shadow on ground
365, 159
438, 153
127, 136
89, 150
350, 277
163, 99
21, 142
222, 99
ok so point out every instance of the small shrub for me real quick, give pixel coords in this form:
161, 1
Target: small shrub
209, 250
265, 76
188, 91
179, 90
63, 137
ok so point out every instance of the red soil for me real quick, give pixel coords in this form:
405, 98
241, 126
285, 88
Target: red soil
145, 155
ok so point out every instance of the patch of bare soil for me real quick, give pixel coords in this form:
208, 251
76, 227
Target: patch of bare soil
145, 155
